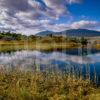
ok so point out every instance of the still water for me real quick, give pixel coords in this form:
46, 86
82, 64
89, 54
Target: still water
73, 61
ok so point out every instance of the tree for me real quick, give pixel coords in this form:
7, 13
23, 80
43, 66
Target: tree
50, 35
83, 41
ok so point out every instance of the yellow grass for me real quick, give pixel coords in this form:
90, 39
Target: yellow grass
97, 46
19, 85
19, 45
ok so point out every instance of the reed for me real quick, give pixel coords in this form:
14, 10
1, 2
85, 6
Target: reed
32, 85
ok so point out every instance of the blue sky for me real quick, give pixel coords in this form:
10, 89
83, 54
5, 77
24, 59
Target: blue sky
33, 16
88, 8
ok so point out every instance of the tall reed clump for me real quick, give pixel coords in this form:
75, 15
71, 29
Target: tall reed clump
18, 85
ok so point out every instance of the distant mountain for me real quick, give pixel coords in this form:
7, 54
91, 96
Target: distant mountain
44, 33
72, 32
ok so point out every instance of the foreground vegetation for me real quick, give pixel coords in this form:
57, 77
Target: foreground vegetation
20, 85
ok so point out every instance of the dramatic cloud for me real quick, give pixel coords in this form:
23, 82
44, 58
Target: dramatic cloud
32, 16
58, 6
85, 24
73, 1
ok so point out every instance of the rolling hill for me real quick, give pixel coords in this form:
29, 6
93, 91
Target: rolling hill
72, 32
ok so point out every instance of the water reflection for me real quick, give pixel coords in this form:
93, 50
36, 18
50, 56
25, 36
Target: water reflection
36, 60
45, 58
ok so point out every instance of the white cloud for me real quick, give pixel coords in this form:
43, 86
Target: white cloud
85, 24
82, 24
26, 14
32, 16
73, 1
58, 6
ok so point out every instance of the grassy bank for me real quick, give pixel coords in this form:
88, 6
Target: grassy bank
97, 46
19, 85
21, 45
41, 43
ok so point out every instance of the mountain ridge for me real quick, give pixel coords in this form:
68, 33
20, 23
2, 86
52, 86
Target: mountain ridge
72, 32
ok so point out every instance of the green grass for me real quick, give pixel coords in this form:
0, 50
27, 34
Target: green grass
20, 85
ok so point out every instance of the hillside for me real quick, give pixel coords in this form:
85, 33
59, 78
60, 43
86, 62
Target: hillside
72, 32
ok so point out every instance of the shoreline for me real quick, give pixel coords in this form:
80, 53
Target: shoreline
24, 45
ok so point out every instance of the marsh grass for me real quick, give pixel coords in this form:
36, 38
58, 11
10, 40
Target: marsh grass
44, 44
33, 85
21, 85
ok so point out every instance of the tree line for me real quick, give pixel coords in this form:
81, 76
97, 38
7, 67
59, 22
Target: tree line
16, 36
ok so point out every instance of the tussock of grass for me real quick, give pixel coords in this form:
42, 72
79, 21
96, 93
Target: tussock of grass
19, 85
